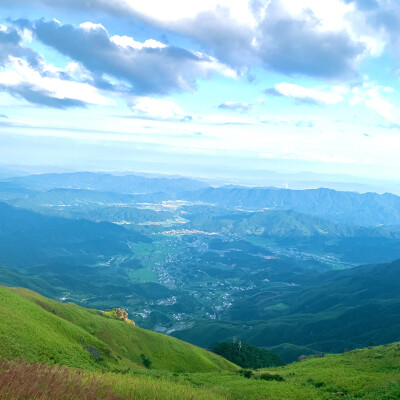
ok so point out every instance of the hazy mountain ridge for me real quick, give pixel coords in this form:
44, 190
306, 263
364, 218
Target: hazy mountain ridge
128, 184
366, 209
28, 238
343, 207
287, 223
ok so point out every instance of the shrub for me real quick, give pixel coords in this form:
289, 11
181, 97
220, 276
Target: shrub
271, 377
247, 356
246, 373
146, 361
316, 384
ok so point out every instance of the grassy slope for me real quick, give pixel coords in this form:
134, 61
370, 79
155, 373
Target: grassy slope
21, 380
43, 330
369, 374
39, 329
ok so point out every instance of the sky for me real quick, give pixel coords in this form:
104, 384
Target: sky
201, 87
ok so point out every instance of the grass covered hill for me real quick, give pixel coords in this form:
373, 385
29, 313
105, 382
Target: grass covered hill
41, 330
62, 351
370, 374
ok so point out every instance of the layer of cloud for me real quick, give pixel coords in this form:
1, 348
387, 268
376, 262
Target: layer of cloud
297, 123
115, 65
235, 106
305, 95
372, 96
307, 37
300, 44
21, 80
11, 45
24, 74
140, 68
158, 109
381, 15
300, 38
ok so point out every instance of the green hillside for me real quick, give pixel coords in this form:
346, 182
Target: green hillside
21, 380
42, 330
49, 335
370, 374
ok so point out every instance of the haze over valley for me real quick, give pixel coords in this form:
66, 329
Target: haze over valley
183, 257
199, 200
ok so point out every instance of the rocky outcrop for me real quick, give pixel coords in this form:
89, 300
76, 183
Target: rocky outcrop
122, 314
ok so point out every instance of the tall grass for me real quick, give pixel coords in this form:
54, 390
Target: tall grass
20, 380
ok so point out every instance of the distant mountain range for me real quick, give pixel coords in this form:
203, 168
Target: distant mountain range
343, 207
286, 224
129, 184
368, 209
289, 228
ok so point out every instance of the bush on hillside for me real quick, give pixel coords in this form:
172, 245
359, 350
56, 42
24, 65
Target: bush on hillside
271, 377
146, 361
247, 356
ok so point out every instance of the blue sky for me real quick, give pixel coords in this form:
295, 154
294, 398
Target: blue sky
179, 87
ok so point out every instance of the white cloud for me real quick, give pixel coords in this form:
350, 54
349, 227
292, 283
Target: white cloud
10, 78
306, 95
157, 108
127, 41
27, 35
89, 26
236, 106
20, 73
241, 32
148, 68
381, 106
78, 71
330, 13
246, 33
175, 10
370, 94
